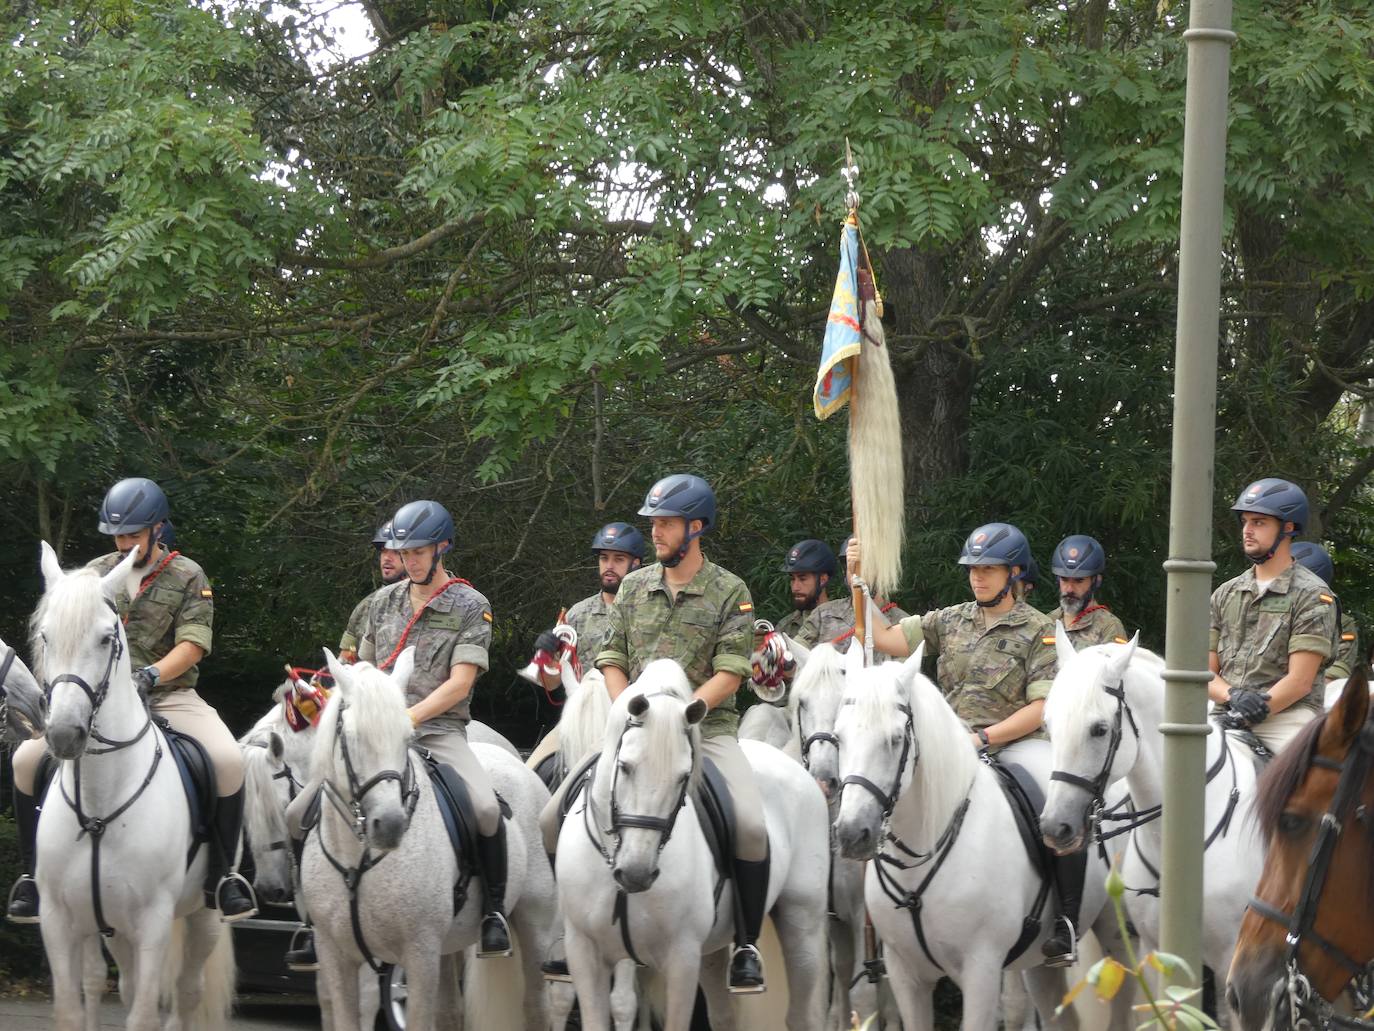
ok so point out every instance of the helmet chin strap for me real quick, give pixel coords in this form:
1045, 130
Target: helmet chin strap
147, 556
1260, 560
687, 540
433, 567
1006, 589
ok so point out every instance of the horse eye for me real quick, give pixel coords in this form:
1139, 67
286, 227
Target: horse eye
1292, 823
1098, 729
622, 766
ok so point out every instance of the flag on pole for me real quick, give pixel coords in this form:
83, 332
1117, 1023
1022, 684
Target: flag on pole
843, 330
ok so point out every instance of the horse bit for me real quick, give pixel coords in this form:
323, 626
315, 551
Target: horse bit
1307, 1010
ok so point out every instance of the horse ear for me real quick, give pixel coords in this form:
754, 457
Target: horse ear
911, 665
1063, 649
695, 712
52, 569
638, 706
121, 575
1352, 708
405, 666
276, 747
339, 671
1119, 662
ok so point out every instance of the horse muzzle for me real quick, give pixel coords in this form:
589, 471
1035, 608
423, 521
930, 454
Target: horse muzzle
1255, 991
384, 831
856, 840
633, 880
67, 741
1062, 838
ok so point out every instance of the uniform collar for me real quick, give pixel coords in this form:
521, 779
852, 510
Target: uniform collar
1017, 615
441, 602
694, 586
1278, 585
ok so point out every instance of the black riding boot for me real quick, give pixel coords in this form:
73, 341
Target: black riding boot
225, 888
491, 854
23, 902
751, 905
300, 956
1061, 947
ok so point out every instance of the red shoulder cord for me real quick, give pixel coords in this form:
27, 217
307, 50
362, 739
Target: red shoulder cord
147, 581
885, 609
1090, 608
405, 634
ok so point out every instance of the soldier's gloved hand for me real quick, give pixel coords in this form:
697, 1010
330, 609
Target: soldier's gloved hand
1251, 706
146, 678
549, 642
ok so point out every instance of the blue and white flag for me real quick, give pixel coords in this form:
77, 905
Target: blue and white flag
843, 330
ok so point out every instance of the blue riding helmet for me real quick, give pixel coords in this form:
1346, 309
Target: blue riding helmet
996, 544
1031, 576
1078, 556
132, 505
619, 537
1315, 558
684, 495
419, 523
810, 556
1285, 501
167, 536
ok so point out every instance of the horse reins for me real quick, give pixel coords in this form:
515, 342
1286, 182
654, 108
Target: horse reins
1303, 1003
351, 809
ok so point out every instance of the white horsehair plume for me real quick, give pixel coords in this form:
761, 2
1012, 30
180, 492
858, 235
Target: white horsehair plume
875, 459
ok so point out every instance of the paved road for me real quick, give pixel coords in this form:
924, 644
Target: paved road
36, 1015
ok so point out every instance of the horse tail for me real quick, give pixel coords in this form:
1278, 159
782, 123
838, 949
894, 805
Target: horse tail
494, 992
582, 727
219, 976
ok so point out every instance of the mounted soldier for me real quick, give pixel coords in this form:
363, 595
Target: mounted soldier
1078, 564
810, 566
1347, 647
995, 663
687, 608
833, 621
1272, 627
619, 551
168, 623
392, 571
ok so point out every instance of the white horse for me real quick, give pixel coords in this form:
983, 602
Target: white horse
951, 883
22, 710
633, 855
1104, 713
116, 831
378, 815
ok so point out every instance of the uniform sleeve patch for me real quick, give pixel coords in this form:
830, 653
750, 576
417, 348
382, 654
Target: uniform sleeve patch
1121, 640
205, 592
1347, 637
1047, 640
1326, 598
746, 606
486, 616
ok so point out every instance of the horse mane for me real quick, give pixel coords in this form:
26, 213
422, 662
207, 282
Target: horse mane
582, 726
821, 677
379, 714
1283, 775
263, 817
68, 610
1075, 703
662, 736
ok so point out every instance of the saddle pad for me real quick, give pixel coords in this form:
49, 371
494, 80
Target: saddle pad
455, 806
1027, 799
716, 814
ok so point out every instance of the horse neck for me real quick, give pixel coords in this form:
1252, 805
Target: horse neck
1145, 779
927, 806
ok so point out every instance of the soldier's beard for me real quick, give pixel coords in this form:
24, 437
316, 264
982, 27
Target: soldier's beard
804, 602
1072, 604
610, 583
394, 578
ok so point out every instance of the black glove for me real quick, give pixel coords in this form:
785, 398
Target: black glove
549, 642
1251, 706
146, 678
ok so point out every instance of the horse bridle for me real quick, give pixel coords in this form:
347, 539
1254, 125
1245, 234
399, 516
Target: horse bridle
1096, 788
293, 788
1307, 1009
96, 695
351, 808
887, 800
810, 739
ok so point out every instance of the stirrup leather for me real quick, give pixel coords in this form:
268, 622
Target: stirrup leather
507, 951
9, 902
750, 989
300, 938
234, 877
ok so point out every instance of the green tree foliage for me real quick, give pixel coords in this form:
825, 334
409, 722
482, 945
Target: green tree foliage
526, 258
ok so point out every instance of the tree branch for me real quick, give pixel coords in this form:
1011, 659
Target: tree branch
1342, 494
382, 258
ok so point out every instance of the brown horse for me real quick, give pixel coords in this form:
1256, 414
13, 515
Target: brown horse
1310, 925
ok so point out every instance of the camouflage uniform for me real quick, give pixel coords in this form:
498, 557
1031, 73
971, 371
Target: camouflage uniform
175, 606
1254, 634
987, 673
792, 623
1094, 625
833, 622
707, 629
1347, 655
589, 617
357, 623
454, 629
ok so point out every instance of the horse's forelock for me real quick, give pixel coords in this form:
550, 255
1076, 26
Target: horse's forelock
821, 677
377, 708
663, 730
265, 820
67, 613
876, 698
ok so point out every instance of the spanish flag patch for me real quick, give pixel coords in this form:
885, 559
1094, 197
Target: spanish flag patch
1047, 640
486, 616
1326, 598
1347, 637
746, 606
205, 592
1120, 640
